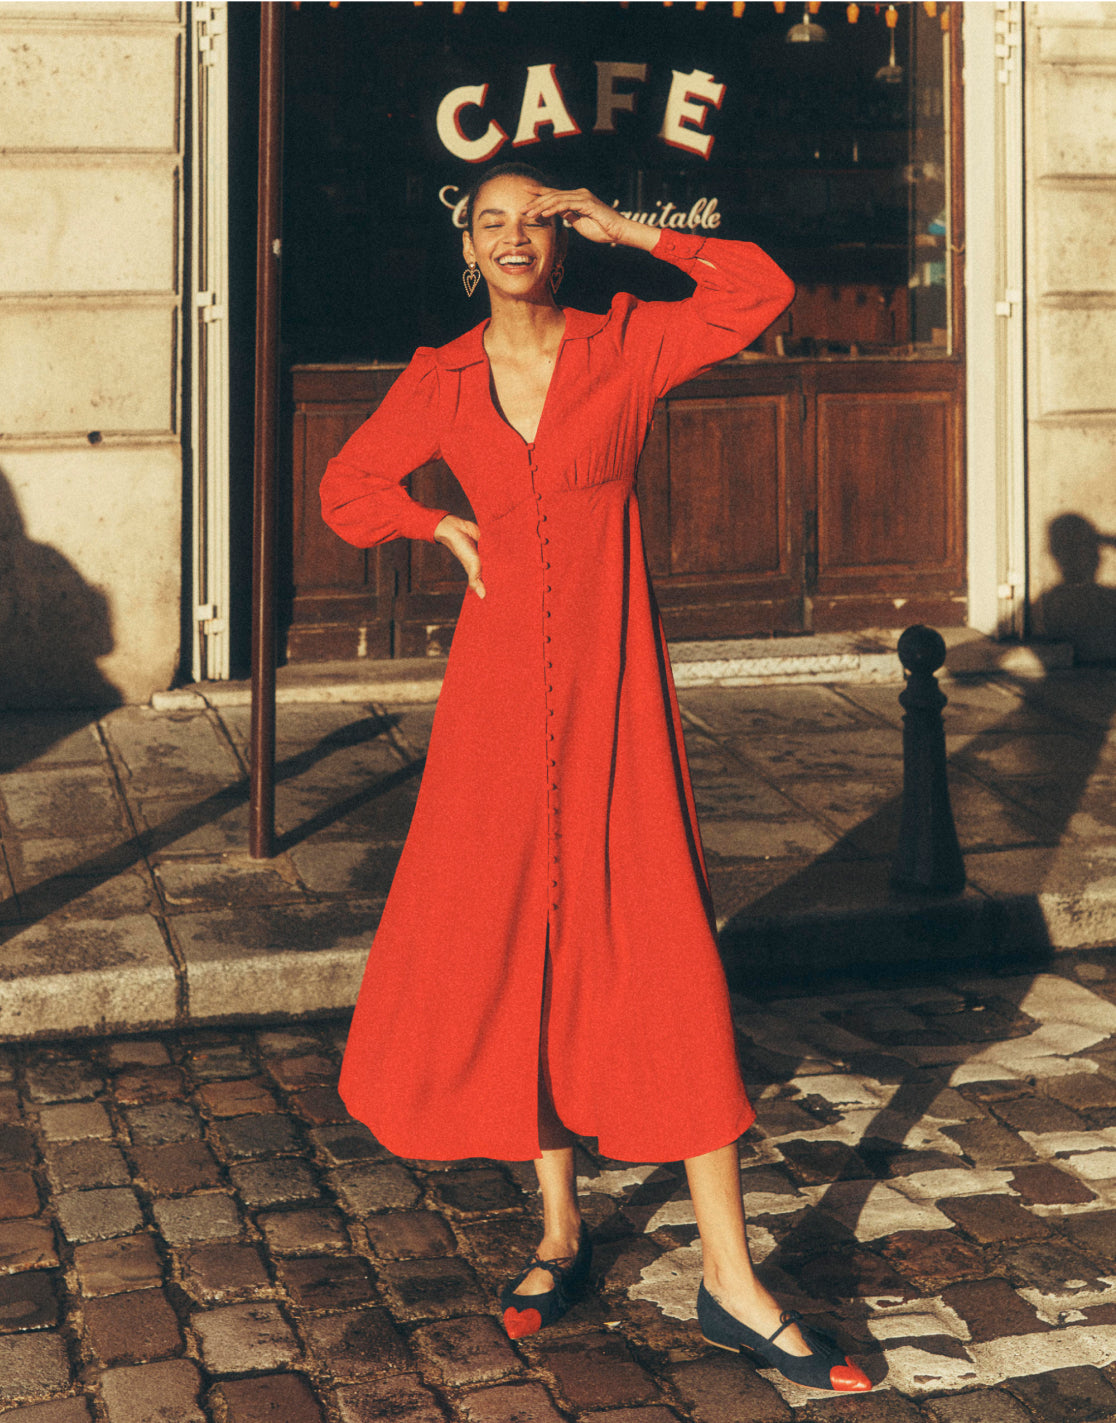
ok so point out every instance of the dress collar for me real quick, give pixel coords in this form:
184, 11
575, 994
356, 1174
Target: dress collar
468, 350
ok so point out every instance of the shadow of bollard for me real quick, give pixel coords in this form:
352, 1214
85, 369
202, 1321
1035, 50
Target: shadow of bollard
928, 855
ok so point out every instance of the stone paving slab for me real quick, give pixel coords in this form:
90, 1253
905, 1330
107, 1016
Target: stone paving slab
128, 900
193, 1230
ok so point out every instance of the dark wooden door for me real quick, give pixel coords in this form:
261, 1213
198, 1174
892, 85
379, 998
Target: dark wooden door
886, 520
776, 496
720, 484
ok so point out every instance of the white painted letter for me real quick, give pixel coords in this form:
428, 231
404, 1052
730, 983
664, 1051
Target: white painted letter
609, 102
473, 150
683, 119
451, 198
542, 104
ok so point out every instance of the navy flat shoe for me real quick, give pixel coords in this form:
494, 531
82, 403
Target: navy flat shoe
527, 1314
824, 1367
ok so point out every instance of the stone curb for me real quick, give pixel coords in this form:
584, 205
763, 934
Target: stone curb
272, 986
820, 944
276, 984
843, 658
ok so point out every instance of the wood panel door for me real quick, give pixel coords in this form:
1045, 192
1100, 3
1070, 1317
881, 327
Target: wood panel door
339, 597
776, 497
889, 505
719, 485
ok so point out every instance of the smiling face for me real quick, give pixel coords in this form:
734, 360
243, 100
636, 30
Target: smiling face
515, 255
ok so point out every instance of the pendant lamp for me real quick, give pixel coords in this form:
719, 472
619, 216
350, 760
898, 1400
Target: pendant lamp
807, 31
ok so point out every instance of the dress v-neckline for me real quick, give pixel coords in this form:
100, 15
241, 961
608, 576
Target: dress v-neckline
493, 395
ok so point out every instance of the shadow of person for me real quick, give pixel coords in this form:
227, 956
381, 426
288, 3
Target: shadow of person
1079, 609
53, 624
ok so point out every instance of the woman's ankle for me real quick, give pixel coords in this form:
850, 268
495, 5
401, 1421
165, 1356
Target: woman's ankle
733, 1280
563, 1228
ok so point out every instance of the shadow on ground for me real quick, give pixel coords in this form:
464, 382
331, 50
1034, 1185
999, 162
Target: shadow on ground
1023, 781
55, 892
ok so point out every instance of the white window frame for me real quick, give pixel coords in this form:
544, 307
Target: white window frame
209, 342
995, 412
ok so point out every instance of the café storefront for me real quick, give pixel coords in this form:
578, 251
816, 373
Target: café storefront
815, 482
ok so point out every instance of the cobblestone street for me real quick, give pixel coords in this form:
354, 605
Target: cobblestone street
193, 1231
191, 1228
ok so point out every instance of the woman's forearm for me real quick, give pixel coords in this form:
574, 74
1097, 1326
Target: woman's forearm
638, 234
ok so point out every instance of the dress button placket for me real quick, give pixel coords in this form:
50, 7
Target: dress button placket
548, 685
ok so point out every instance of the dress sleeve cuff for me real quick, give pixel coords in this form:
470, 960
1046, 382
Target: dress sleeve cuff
426, 520
681, 248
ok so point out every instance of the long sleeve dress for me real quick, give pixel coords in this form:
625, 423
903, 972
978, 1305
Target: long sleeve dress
551, 908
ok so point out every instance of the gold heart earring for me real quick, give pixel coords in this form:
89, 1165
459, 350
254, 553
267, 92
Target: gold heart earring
470, 276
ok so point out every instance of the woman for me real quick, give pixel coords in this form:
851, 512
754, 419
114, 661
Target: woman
546, 962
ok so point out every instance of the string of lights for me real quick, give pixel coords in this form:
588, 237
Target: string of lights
807, 31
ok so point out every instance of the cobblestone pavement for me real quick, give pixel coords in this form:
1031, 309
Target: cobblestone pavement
192, 1229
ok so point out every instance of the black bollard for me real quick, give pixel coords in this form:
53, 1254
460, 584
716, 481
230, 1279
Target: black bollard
928, 855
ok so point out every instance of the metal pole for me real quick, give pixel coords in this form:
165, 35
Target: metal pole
928, 856
261, 809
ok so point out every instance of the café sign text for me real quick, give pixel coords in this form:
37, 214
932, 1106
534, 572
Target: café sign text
687, 107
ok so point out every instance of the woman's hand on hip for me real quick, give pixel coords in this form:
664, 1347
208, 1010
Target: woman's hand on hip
594, 219
460, 537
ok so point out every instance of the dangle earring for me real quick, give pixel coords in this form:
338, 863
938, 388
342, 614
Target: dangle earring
557, 272
470, 276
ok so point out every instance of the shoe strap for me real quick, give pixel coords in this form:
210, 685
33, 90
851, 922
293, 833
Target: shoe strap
561, 1265
789, 1317
558, 1268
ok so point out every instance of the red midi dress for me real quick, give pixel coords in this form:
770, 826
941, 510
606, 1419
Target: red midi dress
551, 910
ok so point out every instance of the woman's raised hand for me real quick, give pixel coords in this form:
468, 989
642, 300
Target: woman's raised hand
592, 218
460, 537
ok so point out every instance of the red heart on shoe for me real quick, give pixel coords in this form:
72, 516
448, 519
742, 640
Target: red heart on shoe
521, 1322
847, 1378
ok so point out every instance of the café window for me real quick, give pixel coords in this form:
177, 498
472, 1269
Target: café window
824, 140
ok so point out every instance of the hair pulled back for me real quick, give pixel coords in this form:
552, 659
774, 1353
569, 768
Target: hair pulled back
501, 170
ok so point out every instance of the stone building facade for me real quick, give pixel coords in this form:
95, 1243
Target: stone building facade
97, 312
92, 108
1070, 153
